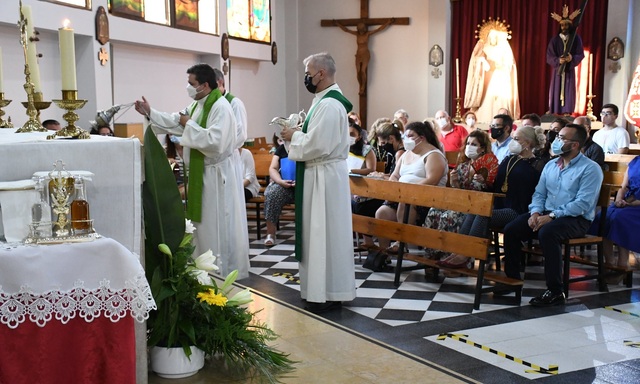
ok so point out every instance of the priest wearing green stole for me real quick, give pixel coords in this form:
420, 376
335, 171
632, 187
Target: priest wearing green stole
208, 134
324, 243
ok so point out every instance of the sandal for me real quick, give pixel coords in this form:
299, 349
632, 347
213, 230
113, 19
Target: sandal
393, 249
269, 241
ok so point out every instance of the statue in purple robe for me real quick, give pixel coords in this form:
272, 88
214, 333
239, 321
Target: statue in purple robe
562, 90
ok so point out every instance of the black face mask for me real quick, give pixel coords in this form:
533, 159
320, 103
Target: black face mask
551, 136
308, 83
497, 133
388, 147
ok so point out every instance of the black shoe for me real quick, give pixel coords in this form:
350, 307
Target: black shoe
322, 307
503, 291
548, 299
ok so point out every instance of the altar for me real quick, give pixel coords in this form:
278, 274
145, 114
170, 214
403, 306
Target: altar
67, 312
114, 195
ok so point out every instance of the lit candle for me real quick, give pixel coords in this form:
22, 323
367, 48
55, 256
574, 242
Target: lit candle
67, 57
1, 70
457, 79
32, 55
590, 73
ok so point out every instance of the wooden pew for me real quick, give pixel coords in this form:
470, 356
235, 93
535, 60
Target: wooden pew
472, 202
255, 204
617, 162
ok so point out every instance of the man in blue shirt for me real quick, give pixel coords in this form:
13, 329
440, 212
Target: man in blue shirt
501, 132
562, 208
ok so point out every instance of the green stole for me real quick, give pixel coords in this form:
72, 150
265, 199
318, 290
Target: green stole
196, 163
229, 96
334, 94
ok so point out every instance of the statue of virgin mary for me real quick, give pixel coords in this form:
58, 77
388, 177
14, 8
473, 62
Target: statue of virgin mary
492, 79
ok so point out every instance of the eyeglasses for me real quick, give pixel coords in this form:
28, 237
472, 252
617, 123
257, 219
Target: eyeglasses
606, 113
564, 139
493, 126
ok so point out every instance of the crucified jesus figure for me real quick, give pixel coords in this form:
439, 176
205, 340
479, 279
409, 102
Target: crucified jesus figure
363, 55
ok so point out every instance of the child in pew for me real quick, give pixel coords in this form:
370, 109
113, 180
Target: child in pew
280, 192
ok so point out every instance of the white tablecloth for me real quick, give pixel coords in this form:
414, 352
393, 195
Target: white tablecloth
43, 282
114, 194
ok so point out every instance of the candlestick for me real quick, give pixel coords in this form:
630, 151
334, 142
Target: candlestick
1, 70
590, 74
3, 103
457, 79
590, 114
38, 103
32, 55
458, 118
70, 102
67, 57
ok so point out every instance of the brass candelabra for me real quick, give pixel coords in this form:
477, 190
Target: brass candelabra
33, 124
457, 118
70, 103
38, 104
590, 114
3, 103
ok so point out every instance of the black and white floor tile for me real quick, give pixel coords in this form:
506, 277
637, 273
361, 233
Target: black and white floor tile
594, 333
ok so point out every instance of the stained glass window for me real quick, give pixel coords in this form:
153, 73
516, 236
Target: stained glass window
249, 19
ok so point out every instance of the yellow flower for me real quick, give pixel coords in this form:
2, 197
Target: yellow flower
212, 298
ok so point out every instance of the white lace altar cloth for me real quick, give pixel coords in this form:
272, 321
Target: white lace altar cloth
44, 282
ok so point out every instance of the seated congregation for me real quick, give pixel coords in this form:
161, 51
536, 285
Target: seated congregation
542, 196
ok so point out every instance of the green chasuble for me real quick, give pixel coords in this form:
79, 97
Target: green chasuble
229, 97
196, 163
300, 168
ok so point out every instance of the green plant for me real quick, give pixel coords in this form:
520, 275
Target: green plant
192, 309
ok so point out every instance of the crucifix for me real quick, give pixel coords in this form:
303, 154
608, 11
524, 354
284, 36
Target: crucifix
362, 33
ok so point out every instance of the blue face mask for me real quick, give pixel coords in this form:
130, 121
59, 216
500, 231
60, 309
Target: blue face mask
558, 147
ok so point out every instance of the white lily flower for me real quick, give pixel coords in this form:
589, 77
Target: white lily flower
202, 276
188, 226
206, 261
242, 297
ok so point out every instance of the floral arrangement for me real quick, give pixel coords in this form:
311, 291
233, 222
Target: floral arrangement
192, 309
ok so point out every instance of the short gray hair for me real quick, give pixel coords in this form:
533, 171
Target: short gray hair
322, 60
402, 113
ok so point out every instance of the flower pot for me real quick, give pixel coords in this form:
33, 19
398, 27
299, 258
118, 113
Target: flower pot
172, 363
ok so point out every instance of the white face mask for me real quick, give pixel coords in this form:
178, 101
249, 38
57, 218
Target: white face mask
409, 144
192, 91
442, 122
352, 140
471, 151
515, 147
471, 122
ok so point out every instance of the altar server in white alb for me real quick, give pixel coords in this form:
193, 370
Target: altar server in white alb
208, 134
240, 114
323, 200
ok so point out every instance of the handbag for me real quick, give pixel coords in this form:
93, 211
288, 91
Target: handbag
376, 261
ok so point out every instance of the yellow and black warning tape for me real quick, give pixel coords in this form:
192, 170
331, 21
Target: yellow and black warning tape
621, 311
288, 276
627, 343
551, 370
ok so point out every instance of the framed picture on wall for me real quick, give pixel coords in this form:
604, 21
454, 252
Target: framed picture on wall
127, 8
186, 14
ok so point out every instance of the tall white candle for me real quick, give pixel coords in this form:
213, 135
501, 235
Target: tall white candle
1, 70
32, 54
590, 74
457, 79
67, 57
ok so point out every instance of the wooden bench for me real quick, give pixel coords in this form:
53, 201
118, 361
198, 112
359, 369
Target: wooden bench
472, 202
618, 162
255, 204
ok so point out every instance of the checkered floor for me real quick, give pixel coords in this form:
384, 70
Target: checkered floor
417, 299
595, 337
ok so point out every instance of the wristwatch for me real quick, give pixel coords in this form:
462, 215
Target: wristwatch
552, 215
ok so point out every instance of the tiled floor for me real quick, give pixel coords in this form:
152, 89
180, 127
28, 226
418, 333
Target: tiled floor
594, 338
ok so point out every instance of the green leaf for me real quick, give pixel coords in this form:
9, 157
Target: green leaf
163, 209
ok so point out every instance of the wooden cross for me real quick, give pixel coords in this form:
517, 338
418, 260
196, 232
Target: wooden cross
363, 55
